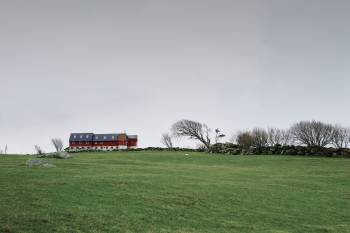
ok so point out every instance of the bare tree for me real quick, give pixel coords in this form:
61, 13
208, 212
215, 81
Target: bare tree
274, 136
218, 135
341, 137
167, 140
6, 148
278, 137
312, 133
38, 150
260, 137
244, 139
193, 130
57, 143
287, 138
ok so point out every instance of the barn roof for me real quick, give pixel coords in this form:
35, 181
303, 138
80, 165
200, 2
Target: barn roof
88, 137
81, 137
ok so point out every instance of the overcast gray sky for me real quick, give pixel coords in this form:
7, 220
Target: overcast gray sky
107, 66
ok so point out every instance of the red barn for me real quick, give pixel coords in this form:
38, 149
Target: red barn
90, 141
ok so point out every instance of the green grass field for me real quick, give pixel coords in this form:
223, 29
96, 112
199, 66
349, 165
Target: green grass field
174, 192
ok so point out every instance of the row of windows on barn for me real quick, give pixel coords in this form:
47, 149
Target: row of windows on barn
86, 143
87, 136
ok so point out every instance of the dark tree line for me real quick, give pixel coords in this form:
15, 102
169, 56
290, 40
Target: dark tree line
304, 133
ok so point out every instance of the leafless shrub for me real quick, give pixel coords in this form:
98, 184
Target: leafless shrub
3, 151
312, 133
167, 140
57, 143
193, 130
38, 150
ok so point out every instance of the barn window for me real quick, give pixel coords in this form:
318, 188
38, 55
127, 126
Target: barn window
87, 136
81, 136
104, 137
75, 136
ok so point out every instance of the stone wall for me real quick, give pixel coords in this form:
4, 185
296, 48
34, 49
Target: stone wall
232, 149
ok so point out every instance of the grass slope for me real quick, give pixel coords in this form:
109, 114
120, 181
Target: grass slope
174, 192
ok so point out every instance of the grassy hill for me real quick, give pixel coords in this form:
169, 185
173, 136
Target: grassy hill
174, 192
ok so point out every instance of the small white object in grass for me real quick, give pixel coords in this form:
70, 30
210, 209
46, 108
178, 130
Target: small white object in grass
48, 165
186, 154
